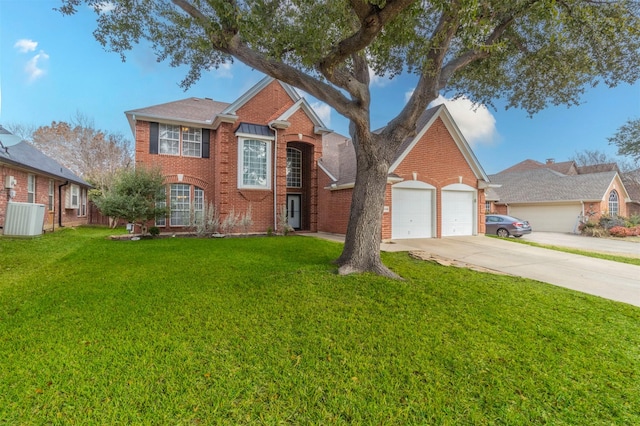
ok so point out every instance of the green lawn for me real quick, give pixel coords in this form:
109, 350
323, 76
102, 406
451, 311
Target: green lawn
262, 331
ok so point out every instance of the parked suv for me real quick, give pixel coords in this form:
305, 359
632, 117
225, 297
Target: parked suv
503, 225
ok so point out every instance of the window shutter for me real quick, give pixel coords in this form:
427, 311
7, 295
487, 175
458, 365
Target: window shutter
205, 143
153, 138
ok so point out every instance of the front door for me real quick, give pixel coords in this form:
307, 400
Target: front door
293, 210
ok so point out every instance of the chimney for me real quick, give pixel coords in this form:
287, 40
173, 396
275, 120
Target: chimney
551, 160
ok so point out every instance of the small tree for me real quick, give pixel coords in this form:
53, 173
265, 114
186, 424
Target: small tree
627, 139
134, 196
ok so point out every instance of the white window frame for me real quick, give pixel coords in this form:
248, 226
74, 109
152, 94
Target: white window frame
168, 144
181, 208
198, 205
487, 206
241, 164
191, 142
52, 195
294, 171
82, 204
614, 203
31, 188
72, 197
161, 221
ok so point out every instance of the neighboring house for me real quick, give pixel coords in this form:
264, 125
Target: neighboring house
435, 186
29, 176
269, 151
557, 196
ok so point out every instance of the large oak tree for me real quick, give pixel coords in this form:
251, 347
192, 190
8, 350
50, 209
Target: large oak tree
527, 52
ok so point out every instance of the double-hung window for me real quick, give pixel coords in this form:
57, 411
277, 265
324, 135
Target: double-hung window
177, 140
169, 139
198, 205
180, 199
52, 191
255, 160
31, 188
191, 142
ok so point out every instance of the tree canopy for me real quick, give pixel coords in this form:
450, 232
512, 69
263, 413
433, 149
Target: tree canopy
530, 53
135, 196
627, 139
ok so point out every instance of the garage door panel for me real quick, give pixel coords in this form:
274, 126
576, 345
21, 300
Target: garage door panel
411, 213
549, 218
458, 210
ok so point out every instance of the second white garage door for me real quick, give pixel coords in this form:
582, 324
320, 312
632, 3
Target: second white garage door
458, 210
550, 218
412, 210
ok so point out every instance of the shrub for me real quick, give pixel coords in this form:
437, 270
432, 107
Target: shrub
608, 222
154, 231
619, 231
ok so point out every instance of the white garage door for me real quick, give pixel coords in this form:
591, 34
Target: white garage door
458, 211
412, 207
550, 218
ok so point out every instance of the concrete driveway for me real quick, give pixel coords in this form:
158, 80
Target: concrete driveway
611, 280
623, 246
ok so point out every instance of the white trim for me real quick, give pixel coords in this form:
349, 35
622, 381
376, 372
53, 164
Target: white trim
414, 184
255, 137
248, 95
269, 165
302, 103
327, 172
458, 137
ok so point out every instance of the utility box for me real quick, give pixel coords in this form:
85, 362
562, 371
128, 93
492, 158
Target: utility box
24, 219
9, 182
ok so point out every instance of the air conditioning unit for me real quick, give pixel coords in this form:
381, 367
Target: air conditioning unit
10, 182
24, 219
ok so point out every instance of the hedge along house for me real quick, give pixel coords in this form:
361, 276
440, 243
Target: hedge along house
29, 176
435, 186
259, 153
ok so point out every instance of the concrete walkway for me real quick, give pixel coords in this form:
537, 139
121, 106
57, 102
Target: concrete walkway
611, 280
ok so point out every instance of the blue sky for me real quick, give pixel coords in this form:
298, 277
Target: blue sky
51, 68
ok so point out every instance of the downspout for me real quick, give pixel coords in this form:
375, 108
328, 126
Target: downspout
60, 225
275, 178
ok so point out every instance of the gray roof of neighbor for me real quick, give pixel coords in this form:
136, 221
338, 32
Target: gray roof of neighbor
25, 155
546, 185
339, 156
201, 110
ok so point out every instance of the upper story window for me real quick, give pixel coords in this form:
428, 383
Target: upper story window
294, 168
613, 203
171, 139
254, 170
31, 188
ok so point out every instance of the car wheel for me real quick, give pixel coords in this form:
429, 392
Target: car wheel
502, 233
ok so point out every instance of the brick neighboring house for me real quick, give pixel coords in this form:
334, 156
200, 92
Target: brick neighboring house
29, 176
268, 150
556, 196
435, 186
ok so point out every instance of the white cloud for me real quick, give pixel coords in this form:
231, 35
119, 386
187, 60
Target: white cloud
33, 66
476, 122
24, 45
324, 112
105, 7
377, 80
224, 70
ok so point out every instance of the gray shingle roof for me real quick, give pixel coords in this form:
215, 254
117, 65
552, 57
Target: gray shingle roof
545, 185
25, 155
339, 156
190, 109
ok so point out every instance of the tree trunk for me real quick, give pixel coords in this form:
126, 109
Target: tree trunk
361, 251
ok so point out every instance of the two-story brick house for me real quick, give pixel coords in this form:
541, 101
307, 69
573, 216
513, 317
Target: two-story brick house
269, 151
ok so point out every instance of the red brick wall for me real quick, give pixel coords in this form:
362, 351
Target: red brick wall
333, 206
69, 216
436, 160
218, 175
